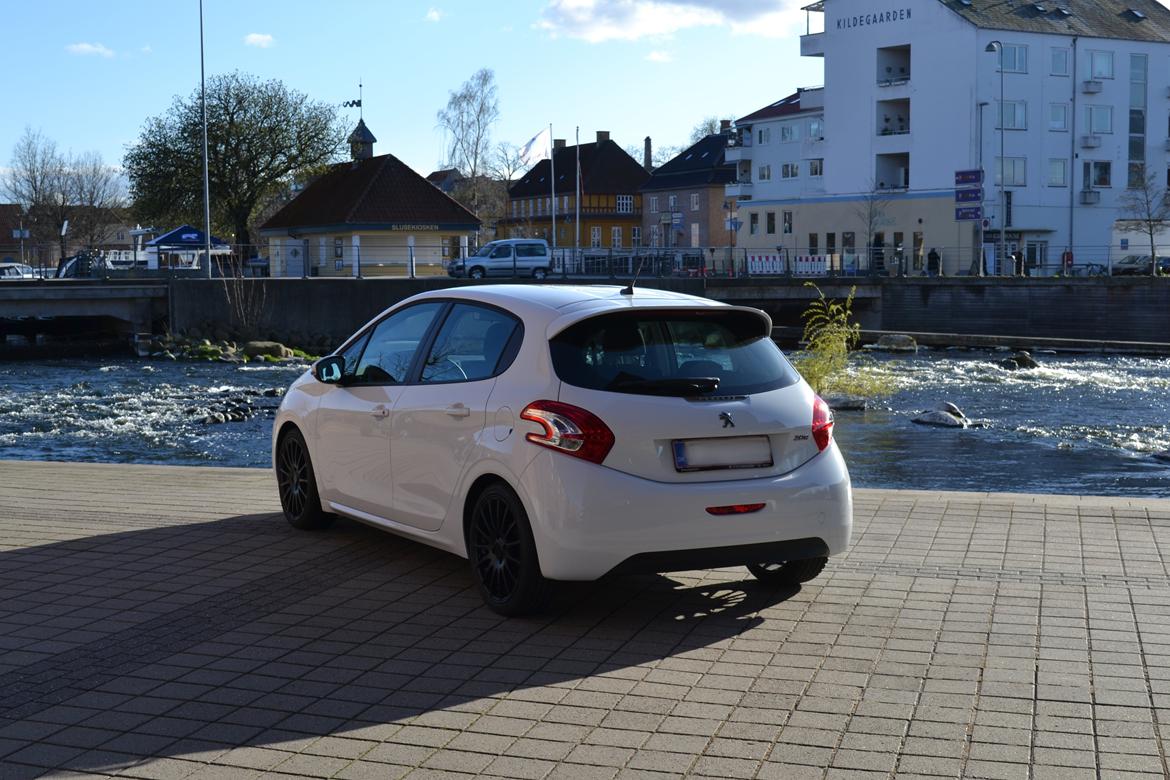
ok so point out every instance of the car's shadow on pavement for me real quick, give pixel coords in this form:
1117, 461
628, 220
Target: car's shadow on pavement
194, 640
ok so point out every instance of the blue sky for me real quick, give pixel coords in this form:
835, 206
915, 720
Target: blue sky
88, 74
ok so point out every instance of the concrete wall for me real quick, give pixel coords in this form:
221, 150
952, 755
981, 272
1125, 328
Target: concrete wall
310, 312
322, 312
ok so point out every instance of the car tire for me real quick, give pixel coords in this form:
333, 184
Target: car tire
297, 484
476, 273
539, 274
788, 572
502, 553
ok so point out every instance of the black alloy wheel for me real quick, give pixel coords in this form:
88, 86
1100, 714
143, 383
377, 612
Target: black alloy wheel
788, 572
298, 485
502, 553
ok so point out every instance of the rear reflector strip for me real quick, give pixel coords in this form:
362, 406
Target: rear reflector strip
735, 509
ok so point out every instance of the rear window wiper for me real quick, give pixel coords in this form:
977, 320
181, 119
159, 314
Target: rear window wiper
680, 386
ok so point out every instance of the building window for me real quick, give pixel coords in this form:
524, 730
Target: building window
770, 226
515, 209
1098, 173
654, 235
765, 173
636, 235
1013, 115
595, 236
789, 132
672, 202
789, 170
1099, 119
1100, 64
764, 136
338, 249
1012, 171
1138, 72
615, 236
830, 243
625, 204
694, 201
848, 242
653, 204
1058, 173
813, 241
787, 223
754, 223
1058, 116
694, 234
1060, 62
1013, 58
816, 129
816, 167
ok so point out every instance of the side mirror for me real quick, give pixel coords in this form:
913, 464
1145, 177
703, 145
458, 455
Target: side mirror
330, 370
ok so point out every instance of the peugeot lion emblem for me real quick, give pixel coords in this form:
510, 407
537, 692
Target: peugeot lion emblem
726, 418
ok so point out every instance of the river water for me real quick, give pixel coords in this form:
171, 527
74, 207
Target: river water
1080, 425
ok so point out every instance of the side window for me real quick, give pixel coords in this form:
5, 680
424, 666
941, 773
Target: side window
529, 250
392, 344
501, 251
469, 345
353, 352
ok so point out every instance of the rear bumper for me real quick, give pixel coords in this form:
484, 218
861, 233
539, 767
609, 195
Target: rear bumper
588, 520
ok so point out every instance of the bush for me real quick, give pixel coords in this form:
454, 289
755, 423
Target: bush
830, 336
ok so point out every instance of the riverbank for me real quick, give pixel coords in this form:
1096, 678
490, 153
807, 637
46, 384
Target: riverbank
168, 622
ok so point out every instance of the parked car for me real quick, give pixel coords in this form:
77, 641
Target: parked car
1140, 265
13, 270
506, 257
569, 432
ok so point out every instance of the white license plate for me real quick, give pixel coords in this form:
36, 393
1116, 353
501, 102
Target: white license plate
732, 452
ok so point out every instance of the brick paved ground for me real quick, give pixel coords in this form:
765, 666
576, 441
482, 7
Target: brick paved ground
166, 623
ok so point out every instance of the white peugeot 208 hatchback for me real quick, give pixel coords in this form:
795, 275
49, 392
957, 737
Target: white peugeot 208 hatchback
564, 433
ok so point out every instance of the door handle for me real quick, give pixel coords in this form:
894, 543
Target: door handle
380, 411
458, 410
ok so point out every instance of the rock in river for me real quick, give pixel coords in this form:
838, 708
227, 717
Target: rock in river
946, 415
846, 403
1021, 359
896, 342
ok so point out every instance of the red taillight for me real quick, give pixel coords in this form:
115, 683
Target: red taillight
735, 509
822, 424
569, 429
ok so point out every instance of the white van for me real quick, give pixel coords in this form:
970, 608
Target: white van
506, 257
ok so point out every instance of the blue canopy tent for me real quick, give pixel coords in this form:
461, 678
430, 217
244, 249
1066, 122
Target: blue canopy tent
182, 248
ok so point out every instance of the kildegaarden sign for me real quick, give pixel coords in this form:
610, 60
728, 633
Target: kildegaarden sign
881, 17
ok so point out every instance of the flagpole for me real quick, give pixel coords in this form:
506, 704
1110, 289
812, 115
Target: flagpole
577, 199
553, 186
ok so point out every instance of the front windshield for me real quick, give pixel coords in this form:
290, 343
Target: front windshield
485, 250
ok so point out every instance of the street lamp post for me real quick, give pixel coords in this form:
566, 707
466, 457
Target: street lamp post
982, 190
997, 46
206, 183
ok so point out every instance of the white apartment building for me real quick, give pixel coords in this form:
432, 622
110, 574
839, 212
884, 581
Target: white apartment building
912, 96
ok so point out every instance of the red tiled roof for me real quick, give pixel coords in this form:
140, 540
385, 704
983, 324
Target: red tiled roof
782, 107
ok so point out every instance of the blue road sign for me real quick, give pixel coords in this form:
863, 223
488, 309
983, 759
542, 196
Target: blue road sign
969, 196
969, 214
965, 178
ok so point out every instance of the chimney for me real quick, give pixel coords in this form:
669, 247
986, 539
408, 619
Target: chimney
725, 126
558, 143
602, 135
648, 157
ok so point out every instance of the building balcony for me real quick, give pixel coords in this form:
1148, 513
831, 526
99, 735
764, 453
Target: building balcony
1090, 197
738, 189
812, 45
735, 154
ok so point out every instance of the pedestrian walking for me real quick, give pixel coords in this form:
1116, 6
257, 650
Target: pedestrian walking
933, 262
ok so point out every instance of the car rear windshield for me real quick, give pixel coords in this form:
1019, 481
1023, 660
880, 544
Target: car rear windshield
681, 353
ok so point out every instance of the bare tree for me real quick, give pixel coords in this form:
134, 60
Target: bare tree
871, 212
708, 125
1144, 209
54, 188
99, 196
467, 120
506, 165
